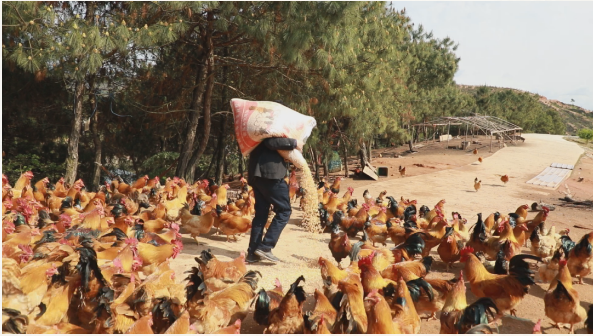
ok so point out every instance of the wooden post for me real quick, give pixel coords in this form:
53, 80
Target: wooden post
490, 141
466, 127
434, 131
448, 134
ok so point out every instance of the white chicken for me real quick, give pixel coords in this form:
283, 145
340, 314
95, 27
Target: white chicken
543, 246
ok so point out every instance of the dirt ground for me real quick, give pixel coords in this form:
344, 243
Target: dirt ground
451, 179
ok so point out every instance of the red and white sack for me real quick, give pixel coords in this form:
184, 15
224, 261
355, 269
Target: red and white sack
259, 120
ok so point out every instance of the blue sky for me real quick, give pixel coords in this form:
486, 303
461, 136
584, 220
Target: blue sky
541, 47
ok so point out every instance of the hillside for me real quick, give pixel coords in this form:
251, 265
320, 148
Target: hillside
573, 117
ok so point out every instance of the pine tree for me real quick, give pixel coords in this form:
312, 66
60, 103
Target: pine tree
72, 42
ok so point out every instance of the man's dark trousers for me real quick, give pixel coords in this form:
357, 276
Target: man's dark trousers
266, 192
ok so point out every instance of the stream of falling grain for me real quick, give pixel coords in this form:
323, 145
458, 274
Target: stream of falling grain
311, 218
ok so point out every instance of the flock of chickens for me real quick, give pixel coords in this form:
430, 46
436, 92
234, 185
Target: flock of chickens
386, 290
75, 261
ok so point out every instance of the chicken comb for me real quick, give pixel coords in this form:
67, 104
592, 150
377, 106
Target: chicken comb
366, 260
466, 250
562, 263
117, 263
26, 248
546, 209
373, 292
538, 326
65, 218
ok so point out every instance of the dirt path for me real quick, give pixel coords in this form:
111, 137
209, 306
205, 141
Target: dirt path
300, 250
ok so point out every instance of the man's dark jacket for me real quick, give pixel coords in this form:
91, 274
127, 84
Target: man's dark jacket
266, 162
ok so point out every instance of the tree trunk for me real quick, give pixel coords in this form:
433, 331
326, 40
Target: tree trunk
240, 165
72, 159
98, 147
346, 171
194, 117
362, 153
225, 163
206, 174
221, 146
369, 157
220, 152
325, 166
314, 161
207, 101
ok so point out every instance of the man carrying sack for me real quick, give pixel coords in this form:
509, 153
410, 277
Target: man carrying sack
267, 169
271, 133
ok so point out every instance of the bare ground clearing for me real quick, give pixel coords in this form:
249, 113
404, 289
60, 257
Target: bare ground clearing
451, 179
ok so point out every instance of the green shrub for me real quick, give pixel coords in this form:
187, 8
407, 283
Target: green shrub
158, 163
586, 134
15, 166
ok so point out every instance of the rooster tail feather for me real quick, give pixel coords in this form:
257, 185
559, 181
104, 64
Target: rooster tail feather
584, 245
427, 262
251, 278
294, 285
262, 308
479, 232
16, 323
307, 322
118, 233
415, 286
477, 313
355, 251
297, 290
196, 283
48, 237
207, 256
162, 311
567, 245
534, 235
138, 231
389, 290
519, 268
42, 310
336, 300
589, 320
415, 244
105, 299
88, 263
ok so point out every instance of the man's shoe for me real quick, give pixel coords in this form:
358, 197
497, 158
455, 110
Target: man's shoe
252, 258
267, 255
